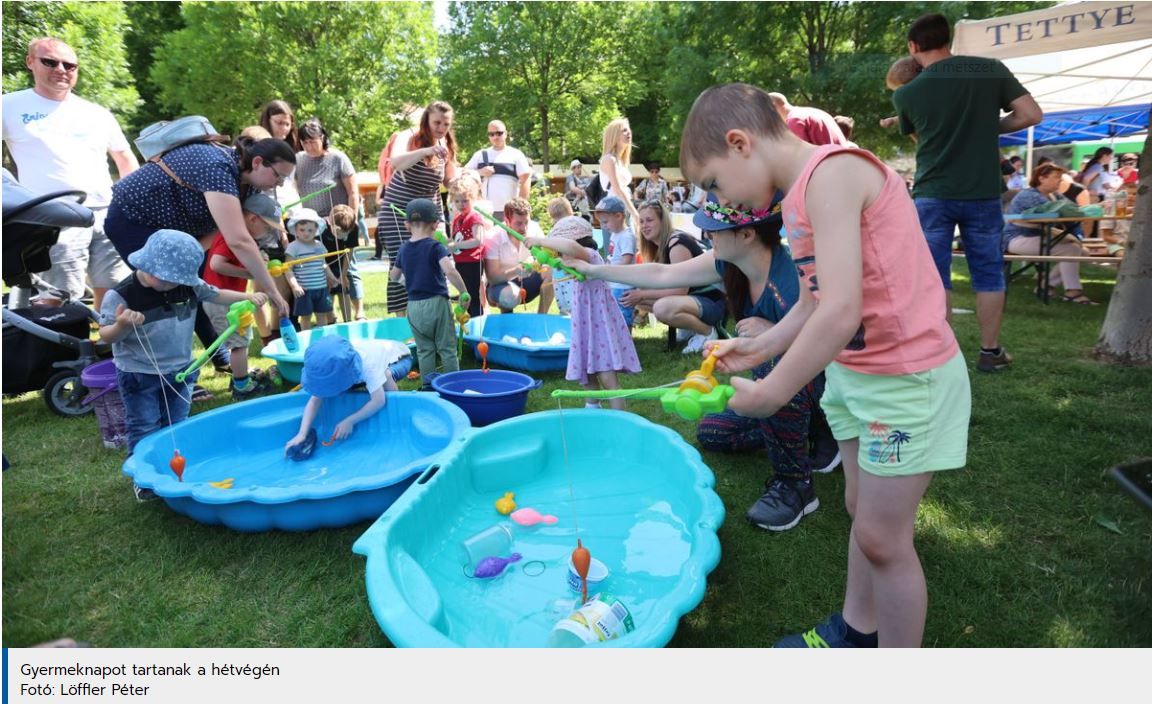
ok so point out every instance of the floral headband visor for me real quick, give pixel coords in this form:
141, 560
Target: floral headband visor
713, 216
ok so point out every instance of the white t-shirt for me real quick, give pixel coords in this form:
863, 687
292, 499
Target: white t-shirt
621, 244
498, 244
62, 145
375, 356
497, 188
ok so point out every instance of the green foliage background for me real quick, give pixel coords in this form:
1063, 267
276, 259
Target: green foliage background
555, 72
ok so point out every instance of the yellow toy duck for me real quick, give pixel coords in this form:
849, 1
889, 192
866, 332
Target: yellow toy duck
506, 505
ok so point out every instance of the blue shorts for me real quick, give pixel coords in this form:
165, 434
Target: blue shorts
314, 300
626, 310
981, 224
711, 311
355, 285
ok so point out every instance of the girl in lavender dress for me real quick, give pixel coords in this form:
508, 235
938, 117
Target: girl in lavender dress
601, 346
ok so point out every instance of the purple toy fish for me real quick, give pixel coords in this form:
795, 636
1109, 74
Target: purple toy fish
491, 567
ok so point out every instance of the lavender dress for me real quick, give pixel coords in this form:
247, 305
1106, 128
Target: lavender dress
601, 341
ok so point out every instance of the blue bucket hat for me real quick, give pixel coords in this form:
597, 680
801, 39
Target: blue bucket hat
714, 217
611, 204
331, 367
172, 256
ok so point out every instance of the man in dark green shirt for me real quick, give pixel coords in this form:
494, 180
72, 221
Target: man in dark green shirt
953, 110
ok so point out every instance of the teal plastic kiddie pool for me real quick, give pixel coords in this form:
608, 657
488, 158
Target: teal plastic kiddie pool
291, 364
646, 510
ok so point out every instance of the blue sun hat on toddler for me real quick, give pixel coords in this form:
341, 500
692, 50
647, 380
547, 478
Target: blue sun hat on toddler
172, 256
331, 367
714, 217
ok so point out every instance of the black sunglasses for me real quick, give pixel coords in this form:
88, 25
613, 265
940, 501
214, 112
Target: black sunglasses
495, 134
53, 63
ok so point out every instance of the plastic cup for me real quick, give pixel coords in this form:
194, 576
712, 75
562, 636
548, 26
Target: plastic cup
494, 541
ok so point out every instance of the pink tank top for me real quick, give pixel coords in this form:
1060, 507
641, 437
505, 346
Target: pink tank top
903, 330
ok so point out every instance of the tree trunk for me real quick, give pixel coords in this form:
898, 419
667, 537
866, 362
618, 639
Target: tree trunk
1126, 337
544, 136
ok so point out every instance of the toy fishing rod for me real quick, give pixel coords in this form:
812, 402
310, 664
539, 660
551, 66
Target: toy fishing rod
240, 318
543, 255
277, 267
310, 195
697, 395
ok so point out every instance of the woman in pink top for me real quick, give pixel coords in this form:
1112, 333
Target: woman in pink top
871, 310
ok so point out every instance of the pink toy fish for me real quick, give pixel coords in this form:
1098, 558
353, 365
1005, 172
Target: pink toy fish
491, 567
530, 517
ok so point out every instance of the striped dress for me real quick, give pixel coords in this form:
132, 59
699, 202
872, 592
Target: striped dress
417, 181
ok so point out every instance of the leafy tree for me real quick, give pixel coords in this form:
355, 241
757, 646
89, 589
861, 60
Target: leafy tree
94, 29
150, 21
554, 72
352, 64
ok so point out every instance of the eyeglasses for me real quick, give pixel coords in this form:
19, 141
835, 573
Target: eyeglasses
53, 63
1127, 161
280, 178
495, 134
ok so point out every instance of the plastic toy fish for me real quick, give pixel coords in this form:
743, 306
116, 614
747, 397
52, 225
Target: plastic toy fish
223, 483
530, 517
304, 450
491, 567
506, 504
177, 464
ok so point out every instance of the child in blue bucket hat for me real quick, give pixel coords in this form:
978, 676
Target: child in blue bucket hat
333, 365
149, 318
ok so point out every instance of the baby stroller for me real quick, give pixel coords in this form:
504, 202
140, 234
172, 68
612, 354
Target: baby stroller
45, 347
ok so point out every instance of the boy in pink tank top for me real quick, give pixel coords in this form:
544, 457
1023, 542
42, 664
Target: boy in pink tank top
871, 312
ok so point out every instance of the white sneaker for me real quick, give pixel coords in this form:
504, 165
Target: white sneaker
683, 335
696, 344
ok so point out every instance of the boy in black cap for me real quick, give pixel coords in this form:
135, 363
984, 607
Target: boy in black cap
424, 264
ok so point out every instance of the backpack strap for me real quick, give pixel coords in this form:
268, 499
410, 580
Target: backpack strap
215, 140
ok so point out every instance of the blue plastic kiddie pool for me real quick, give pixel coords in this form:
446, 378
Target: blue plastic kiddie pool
646, 510
291, 364
531, 342
352, 480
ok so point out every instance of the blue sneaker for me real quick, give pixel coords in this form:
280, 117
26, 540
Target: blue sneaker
829, 634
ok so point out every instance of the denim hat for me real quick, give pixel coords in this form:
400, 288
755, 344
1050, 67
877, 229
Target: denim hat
610, 204
331, 367
264, 206
422, 210
172, 256
306, 215
572, 228
714, 217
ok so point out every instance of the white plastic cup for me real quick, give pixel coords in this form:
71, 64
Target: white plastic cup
603, 618
494, 541
597, 573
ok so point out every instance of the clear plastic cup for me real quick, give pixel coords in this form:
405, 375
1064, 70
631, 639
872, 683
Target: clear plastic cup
494, 541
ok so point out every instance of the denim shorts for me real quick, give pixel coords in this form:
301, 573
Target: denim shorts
711, 310
627, 311
981, 224
314, 300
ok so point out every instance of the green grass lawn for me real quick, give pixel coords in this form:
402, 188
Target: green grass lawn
1030, 545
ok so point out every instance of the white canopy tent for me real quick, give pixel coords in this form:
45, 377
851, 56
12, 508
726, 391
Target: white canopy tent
1070, 56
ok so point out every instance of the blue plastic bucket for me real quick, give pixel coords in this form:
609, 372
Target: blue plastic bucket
104, 395
486, 397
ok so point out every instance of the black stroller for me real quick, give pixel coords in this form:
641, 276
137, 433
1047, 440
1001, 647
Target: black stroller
45, 347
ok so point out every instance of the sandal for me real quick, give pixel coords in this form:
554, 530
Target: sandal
1079, 299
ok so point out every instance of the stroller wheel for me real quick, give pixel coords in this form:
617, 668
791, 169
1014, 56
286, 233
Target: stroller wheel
64, 394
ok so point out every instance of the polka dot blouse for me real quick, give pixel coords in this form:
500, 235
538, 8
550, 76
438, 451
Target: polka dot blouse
148, 196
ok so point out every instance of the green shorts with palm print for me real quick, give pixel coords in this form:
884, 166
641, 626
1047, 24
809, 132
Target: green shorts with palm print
907, 424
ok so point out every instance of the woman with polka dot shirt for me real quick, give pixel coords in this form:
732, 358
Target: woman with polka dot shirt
213, 180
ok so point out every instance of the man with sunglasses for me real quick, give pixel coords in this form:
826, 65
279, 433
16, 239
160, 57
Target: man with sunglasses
504, 171
61, 142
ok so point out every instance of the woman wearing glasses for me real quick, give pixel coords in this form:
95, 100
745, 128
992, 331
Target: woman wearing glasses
420, 165
198, 188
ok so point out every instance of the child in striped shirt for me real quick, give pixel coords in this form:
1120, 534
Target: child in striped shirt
310, 281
